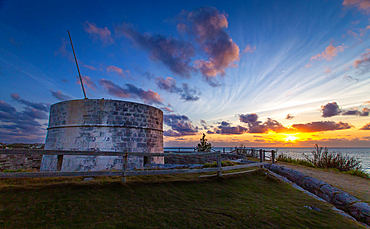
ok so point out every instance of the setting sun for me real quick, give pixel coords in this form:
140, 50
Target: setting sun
291, 138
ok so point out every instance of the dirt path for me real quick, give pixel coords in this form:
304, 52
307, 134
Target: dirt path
356, 186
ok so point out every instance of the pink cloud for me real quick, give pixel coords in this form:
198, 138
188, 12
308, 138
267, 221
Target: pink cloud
208, 27
104, 34
329, 53
118, 70
308, 65
366, 103
88, 82
89, 67
364, 60
363, 5
249, 49
131, 91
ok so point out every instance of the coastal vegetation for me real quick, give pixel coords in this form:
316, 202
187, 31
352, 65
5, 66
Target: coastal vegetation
203, 145
182, 201
321, 158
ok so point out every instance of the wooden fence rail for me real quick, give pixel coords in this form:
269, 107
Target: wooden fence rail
125, 172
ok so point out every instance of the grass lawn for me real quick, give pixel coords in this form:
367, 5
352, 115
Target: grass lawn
181, 201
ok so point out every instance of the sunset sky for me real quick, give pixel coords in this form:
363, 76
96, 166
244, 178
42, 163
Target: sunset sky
259, 73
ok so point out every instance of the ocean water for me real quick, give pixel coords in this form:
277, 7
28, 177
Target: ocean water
363, 154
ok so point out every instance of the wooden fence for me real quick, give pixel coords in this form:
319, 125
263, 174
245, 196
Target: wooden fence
125, 172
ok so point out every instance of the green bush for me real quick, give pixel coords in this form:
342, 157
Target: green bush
203, 145
322, 158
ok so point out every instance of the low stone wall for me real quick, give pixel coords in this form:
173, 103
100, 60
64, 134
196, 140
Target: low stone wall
24, 162
342, 200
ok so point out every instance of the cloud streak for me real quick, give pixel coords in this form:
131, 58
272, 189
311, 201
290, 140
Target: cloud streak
38, 106
103, 34
329, 53
131, 91
118, 70
59, 95
363, 5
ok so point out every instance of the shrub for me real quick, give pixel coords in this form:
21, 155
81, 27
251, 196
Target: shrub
204, 145
322, 158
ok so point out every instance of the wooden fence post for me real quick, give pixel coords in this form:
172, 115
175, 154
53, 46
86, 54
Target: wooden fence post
124, 167
273, 156
219, 165
261, 156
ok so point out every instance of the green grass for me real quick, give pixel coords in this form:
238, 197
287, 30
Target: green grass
181, 201
284, 158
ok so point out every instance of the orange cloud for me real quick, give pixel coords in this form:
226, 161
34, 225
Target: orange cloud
329, 53
363, 5
118, 70
365, 59
249, 49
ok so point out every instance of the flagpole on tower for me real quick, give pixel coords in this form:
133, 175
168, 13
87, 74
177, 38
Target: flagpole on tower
78, 69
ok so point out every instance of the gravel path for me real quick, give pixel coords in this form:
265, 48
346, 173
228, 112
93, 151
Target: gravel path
356, 186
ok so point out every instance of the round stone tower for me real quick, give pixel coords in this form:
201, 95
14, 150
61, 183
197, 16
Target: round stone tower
102, 125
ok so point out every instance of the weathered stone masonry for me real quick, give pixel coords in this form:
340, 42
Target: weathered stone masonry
102, 125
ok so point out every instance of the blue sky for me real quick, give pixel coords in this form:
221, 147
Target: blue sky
258, 73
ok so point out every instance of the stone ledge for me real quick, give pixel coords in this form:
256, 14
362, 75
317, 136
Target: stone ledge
340, 199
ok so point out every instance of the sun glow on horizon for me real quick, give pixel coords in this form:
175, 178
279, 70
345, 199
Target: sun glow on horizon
291, 138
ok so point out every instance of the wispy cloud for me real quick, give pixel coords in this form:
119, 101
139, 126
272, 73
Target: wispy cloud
89, 67
131, 91
329, 53
59, 95
104, 34
87, 81
169, 85
249, 49
364, 62
38, 106
119, 71
363, 5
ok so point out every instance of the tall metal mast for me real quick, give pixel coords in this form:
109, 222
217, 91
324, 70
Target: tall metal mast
78, 69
